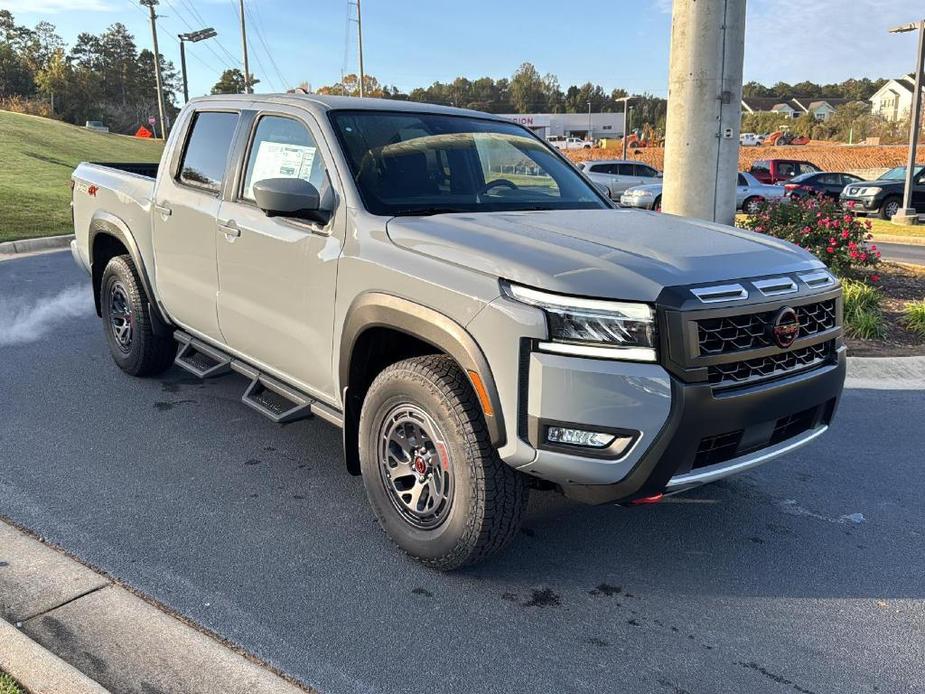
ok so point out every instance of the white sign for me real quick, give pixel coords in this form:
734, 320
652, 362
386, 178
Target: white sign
279, 160
531, 120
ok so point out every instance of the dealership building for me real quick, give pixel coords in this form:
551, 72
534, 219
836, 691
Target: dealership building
571, 124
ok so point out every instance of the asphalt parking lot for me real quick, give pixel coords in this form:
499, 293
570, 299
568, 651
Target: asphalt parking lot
807, 575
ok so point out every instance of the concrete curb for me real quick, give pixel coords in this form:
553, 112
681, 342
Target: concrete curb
886, 373
81, 632
44, 243
38, 670
896, 238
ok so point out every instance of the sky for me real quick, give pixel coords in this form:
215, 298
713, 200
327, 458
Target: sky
410, 43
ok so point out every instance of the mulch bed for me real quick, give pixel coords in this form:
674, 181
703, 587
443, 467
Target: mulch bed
900, 284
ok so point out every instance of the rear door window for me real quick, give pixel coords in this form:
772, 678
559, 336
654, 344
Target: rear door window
624, 169
206, 154
742, 180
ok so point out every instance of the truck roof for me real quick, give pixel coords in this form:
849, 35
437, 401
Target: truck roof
325, 102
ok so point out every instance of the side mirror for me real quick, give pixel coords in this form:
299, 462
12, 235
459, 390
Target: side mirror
290, 197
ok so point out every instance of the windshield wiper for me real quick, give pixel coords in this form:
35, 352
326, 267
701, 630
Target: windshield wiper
427, 211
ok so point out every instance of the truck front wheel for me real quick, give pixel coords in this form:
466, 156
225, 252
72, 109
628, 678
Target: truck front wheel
124, 308
434, 480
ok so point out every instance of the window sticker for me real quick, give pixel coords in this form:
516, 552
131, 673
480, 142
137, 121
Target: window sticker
280, 160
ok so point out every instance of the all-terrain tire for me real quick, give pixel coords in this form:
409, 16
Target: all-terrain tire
122, 296
488, 497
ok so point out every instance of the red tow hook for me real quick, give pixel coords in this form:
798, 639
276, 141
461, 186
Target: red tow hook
647, 500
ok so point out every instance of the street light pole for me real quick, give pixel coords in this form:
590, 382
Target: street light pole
626, 105
589, 120
192, 37
157, 65
908, 215
183, 68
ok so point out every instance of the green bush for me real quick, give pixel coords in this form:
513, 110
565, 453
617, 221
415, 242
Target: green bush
863, 318
914, 317
836, 237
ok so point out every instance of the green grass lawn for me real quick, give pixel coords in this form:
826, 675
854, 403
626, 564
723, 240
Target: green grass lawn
37, 156
8, 685
883, 226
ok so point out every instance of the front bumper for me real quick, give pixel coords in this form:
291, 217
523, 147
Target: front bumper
676, 421
643, 202
860, 205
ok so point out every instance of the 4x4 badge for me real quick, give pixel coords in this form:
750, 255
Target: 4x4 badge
785, 327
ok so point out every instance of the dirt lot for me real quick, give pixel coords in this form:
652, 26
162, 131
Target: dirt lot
827, 155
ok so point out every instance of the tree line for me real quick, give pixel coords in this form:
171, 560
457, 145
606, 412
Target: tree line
106, 77
101, 77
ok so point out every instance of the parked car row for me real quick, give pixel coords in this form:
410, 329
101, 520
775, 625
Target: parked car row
750, 193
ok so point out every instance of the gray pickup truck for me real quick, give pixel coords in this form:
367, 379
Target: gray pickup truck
458, 298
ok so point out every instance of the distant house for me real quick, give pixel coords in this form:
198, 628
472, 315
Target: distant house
822, 109
893, 101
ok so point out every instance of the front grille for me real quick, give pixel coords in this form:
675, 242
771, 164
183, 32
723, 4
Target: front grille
752, 330
717, 449
793, 425
739, 372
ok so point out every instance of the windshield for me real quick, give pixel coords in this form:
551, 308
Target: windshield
899, 173
424, 163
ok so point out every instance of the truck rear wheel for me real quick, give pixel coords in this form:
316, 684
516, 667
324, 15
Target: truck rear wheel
435, 482
124, 308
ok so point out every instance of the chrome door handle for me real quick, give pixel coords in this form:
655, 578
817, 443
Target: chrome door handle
229, 229
164, 210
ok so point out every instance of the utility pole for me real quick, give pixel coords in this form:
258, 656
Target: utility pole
360, 48
157, 65
704, 108
908, 215
247, 72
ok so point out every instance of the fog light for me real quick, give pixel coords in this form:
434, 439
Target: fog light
579, 437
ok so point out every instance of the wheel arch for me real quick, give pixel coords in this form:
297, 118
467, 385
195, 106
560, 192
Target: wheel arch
108, 236
375, 314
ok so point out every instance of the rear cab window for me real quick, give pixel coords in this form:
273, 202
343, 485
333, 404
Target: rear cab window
205, 156
761, 166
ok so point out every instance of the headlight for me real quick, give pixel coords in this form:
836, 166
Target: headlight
864, 192
592, 327
638, 193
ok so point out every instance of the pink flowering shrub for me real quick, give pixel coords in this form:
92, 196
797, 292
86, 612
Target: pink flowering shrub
837, 237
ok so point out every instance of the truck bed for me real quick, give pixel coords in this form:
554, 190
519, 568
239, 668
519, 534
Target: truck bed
146, 169
114, 194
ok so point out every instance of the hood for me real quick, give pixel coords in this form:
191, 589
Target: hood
618, 254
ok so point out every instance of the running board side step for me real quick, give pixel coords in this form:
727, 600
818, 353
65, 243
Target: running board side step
273, 399
269, 396
200, 359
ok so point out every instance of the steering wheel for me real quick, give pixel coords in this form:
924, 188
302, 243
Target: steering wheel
498, 182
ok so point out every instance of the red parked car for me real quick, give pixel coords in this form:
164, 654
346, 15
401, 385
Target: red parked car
777, 170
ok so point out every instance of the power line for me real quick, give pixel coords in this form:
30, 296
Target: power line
257, 22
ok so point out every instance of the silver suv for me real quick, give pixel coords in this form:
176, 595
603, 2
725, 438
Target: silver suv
619, 174
473, 314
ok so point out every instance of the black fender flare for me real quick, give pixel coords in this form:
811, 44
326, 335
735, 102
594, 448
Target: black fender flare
107, 224
378, 309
